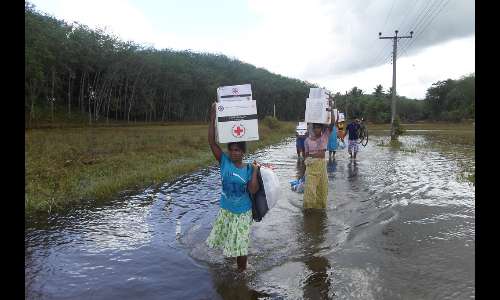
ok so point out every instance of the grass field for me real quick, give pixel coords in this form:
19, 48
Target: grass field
426, 126
65, 165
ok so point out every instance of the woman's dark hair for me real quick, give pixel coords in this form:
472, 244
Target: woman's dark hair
241, 145
317, 125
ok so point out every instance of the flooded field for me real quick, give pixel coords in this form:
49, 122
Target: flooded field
399, 225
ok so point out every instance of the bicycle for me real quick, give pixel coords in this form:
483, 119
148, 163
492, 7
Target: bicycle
363, 134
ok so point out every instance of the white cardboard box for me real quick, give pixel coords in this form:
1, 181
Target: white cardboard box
336, 115
316, 111
234, 93
301, 128
237, 121
317, 93
341, 117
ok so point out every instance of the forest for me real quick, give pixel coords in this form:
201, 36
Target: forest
75, 73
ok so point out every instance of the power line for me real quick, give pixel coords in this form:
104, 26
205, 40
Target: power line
427, 24
424, 24
422, 10
428, 16
408, 12
390, 11
377, 57
423, 13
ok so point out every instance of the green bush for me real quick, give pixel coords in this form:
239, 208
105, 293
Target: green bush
399, 130
271, 122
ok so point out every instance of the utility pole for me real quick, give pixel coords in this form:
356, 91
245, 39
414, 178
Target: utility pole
394, 56
274, 109
346, 106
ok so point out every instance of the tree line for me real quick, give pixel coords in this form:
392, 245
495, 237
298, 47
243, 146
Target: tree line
448, 100
78, 72
73, 69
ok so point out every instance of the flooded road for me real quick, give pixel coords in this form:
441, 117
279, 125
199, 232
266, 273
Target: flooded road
399, 225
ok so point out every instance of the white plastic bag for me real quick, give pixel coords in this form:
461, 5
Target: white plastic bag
271, 186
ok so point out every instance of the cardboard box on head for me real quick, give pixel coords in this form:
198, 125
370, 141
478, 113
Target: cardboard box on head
318, 107
341, 117
301, 129
318, 93
317, 111
237, 121
234, 93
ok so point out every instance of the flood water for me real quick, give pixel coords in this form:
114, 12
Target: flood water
399, 225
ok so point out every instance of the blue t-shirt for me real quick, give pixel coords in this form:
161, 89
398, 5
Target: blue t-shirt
234, 196
352, 129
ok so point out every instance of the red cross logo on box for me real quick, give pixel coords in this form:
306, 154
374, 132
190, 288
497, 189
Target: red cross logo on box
238, 130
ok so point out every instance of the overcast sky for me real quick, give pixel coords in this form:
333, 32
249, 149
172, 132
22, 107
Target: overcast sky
331, 43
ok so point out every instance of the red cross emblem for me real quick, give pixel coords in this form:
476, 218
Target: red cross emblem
238, 130
235, 91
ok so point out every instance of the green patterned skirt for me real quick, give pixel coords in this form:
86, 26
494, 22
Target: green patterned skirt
231, 232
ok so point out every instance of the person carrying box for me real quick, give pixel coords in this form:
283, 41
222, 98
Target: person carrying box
316, 188
231, 229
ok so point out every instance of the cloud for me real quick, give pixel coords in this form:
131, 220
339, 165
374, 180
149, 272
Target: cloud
334, 43
116, 16
354, 43
415, 73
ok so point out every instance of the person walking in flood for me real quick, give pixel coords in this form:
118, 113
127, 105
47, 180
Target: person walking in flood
332, 141
299, 143
353, 131
231, 230
316, 189
301, 135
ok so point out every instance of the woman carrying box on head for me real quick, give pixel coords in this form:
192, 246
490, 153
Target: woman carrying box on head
316, 189
231, 230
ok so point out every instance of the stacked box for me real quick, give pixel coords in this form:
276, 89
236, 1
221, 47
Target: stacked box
234, 93
318, 93
236, 114
318, 107
301, 129
341, 117
317, 111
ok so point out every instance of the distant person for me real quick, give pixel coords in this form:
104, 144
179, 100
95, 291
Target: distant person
353, 130
299, 143
316, 189
231, 230
332, 141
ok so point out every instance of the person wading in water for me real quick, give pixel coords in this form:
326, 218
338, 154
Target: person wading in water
316, 189
231, 230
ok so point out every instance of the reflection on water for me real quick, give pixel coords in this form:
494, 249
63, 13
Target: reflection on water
352, 170
317, 283
399, 225
301, 168
331, 168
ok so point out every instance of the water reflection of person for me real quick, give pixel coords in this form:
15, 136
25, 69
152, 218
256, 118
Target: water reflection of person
352, 170
301, 169
315, 227
331, 166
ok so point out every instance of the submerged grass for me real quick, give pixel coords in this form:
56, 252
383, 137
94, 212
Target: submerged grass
463, 126
66, 165
397, 145
456, 140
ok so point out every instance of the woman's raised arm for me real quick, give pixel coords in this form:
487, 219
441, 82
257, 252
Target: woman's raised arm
216, 150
